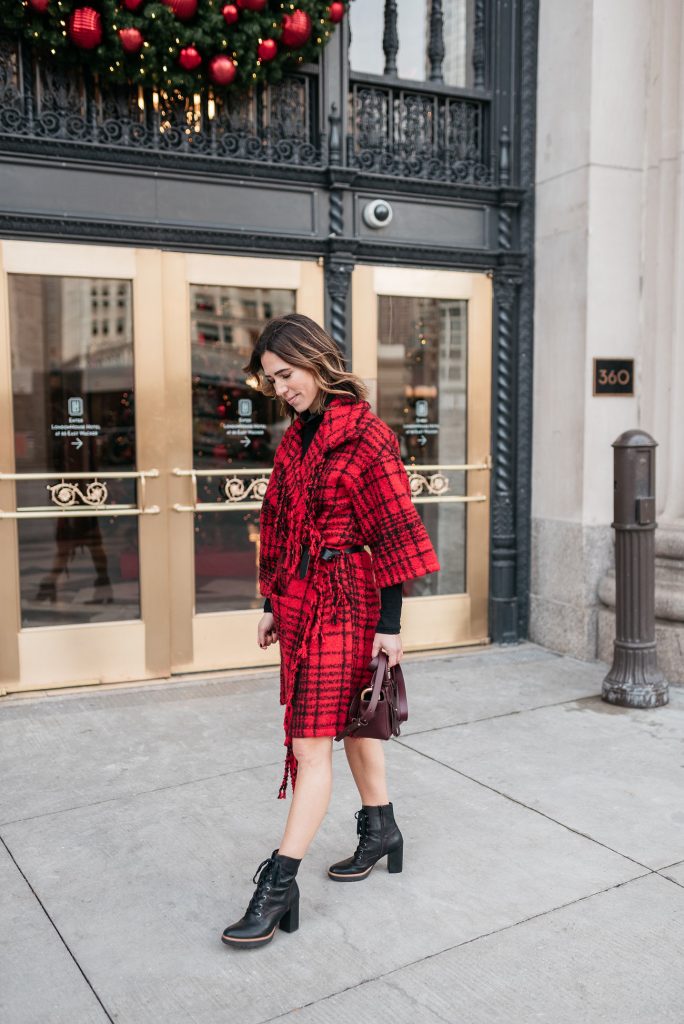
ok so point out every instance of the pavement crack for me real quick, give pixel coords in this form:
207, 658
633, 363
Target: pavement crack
503, 714
457, 945
57, 931
139, 792
669, 878
521, 803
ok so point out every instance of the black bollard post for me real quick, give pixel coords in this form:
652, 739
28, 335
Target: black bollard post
634, 680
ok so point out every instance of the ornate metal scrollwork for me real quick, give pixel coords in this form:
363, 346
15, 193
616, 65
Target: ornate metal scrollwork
417, 134
237, 489
274, 124
434, 484
67, 494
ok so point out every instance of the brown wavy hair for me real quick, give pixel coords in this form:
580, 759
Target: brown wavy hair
300, 341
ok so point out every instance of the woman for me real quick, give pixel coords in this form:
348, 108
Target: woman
338, 486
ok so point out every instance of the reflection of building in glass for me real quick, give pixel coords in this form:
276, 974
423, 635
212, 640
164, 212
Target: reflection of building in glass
72, 338
422, 372
96, 323
96, 336
225, 324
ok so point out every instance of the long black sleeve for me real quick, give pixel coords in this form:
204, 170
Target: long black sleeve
390, 609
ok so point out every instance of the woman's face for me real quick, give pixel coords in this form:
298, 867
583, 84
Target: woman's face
293, 384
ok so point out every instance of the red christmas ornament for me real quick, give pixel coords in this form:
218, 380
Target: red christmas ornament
183, 9
336, 12
267, 49
132, 5
39, 5
222, 70
131, 39
189, 58
230, 14
252, 5
296, 29
85, 28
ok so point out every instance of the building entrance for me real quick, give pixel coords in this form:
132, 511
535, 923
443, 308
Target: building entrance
422, 341
134, 456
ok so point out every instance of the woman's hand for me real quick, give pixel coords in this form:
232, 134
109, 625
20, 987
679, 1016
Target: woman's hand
266, 630
390, 643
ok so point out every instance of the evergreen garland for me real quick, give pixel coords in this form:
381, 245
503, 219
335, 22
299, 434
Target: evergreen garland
165, 35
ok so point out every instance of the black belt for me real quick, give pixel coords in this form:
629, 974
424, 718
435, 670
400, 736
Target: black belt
327, 555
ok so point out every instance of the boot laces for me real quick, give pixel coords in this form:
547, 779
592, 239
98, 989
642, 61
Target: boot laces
361, 830
262, 885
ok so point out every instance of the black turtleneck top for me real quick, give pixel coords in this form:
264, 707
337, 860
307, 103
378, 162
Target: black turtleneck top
390, 597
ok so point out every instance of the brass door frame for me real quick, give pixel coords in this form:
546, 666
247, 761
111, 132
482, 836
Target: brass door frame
212, 640
459, 619
169, 637
45, 657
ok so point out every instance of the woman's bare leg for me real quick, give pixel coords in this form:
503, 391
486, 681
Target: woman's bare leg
311, 794
366, 759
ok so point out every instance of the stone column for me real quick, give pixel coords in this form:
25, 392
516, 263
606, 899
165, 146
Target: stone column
590, 163
661, 367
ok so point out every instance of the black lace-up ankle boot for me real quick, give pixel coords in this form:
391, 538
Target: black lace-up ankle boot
275, 902
378, 836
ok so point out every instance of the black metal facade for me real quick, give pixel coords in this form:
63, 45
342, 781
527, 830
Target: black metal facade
288, 171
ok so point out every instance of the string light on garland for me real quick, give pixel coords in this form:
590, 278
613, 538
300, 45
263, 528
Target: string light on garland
174, 45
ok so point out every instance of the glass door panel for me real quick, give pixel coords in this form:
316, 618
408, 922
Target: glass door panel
133, 459
234, 430
224, 458
79, 330
422, 342
71, 347
422, 377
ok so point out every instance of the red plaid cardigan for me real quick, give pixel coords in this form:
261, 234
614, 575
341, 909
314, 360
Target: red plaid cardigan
350, 488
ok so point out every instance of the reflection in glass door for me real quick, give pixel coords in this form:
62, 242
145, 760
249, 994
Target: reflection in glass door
422, 378
222, 441
82, 516
234, 436
422, 341
71, 346
133, 459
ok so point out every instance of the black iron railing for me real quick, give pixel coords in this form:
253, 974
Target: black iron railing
420, 130
42, 106
417, 130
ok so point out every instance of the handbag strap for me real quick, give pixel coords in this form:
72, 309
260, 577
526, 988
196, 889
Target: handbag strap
381, 673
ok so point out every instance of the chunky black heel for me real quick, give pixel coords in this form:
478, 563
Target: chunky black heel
395, 860
275, 902
289, 922
378, 837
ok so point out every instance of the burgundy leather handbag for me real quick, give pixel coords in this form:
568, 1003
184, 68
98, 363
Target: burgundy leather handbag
379, 708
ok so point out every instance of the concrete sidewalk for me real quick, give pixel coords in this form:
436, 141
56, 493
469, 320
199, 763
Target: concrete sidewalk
543, 867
